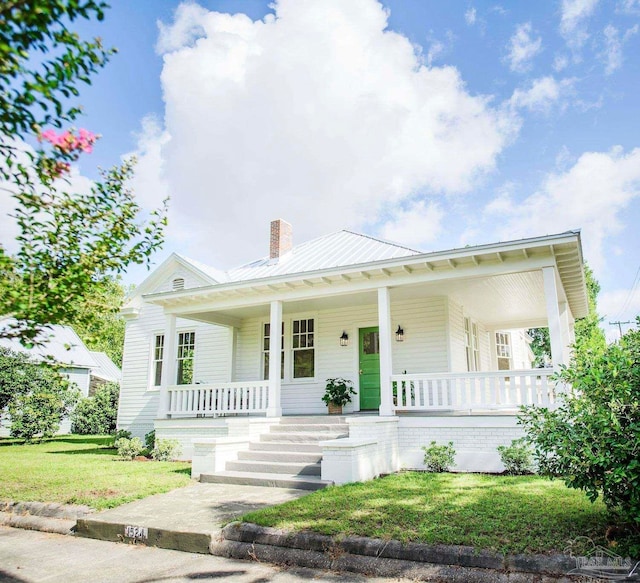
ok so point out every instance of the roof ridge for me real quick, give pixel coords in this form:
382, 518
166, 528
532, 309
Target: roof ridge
379, 240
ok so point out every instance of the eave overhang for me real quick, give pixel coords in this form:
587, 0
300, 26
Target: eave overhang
563, 251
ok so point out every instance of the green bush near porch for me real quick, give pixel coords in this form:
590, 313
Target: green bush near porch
510, 514
74, 469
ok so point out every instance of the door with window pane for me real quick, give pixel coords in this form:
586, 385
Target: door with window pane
369, 352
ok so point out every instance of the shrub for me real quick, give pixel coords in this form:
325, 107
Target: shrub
439, 458
150, 440
517, 458
121, 433
129, 448
592, 439
166, 450
97, 414
37, 413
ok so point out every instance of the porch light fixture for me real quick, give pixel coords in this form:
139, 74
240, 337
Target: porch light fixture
399, 334
344, 339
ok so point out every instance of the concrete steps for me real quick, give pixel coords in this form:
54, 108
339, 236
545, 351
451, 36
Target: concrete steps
288, 456
271, 480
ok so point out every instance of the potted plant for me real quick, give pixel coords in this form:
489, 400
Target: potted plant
338, 393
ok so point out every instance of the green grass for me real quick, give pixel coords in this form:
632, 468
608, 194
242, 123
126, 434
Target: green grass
525, 514
81, 470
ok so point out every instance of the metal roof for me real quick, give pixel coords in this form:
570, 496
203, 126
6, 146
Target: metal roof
334, 250
61, 343
106, 368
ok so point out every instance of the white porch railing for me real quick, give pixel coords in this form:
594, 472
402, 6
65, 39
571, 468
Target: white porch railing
505, 389
219, 398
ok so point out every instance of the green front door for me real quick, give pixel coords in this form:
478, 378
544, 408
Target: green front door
369, 368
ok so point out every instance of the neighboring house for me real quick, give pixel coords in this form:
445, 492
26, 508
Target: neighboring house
85, 368
434, 343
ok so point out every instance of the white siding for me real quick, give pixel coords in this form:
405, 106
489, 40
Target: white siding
423, 350
138, 401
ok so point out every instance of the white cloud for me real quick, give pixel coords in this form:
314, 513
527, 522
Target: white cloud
613, 43
318, 114
470, 16
628, 6
574, 19
543, 94
416, 226
621, 305
591, 195
523, 48
436, 48
186, 28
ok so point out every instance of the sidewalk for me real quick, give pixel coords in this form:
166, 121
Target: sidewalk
187, 519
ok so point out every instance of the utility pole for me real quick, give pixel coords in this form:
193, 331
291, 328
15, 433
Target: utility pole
619, 324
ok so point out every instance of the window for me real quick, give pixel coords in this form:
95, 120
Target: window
266, 339
158, 354
471, 344
186, 351
302, 346
503, 350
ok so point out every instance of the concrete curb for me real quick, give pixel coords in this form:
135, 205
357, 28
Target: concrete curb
190, 542
386, 558
42, 516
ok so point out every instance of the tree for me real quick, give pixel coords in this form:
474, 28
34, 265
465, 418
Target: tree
97, 414
99, 325
589, 335
36, 395
592, 439
70, 242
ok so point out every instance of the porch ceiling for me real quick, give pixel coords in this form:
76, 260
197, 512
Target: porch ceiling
504, 301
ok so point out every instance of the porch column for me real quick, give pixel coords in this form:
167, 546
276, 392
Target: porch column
168, 365
386, 367
553, 316
275, 349
566, 332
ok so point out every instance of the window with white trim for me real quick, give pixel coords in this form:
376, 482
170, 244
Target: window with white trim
471, 344
503, 350
158, 354
266, 340
186, 353
303, 348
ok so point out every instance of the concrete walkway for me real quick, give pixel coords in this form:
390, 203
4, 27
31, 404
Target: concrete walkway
187, 519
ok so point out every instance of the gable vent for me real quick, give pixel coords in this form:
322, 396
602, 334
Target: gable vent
178, 283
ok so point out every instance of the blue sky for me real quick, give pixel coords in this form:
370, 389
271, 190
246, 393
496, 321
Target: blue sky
434, 124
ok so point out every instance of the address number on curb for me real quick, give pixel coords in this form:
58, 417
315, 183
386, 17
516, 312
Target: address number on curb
136, 532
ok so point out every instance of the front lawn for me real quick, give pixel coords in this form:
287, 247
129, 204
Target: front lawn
525, 514
81, 469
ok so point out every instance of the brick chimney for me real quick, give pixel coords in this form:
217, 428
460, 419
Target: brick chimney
281, 238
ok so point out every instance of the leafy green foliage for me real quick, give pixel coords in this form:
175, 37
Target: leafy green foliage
40, 405
516, 458
121, 433
129, 448
439, 458
338, 391
150, 440
97, 321
540, 346
69, 243
97, 414
592, 439
18, 375
166, 450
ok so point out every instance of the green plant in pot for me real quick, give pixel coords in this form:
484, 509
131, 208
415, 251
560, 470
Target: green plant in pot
337, 394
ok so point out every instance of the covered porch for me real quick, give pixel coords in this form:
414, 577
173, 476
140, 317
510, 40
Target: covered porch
430, 327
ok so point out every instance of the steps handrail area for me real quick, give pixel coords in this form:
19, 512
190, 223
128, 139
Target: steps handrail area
219, 398
505, 389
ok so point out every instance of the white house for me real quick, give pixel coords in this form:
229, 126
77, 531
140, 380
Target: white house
433, 342
85, 368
